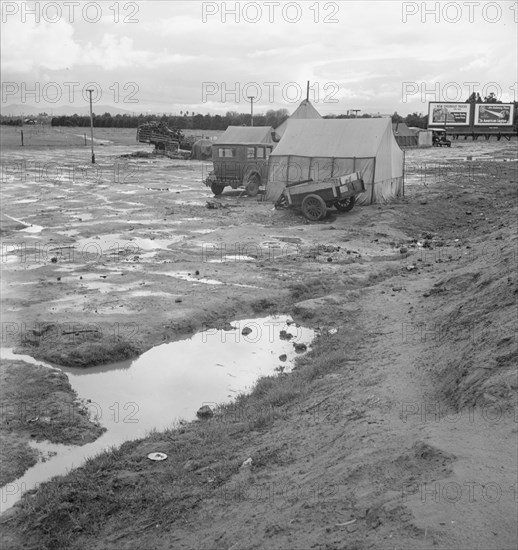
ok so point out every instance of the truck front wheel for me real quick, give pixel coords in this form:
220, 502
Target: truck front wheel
217, 188
252, 184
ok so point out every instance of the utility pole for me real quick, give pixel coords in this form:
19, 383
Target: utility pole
251, 98
91, 126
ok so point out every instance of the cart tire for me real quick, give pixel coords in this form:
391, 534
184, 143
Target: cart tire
281, 203
345, 205
314, 208
252, 184
217, 188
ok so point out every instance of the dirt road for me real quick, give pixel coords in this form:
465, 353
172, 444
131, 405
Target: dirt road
398, 428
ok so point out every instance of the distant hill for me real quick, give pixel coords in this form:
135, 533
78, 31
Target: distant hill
64, 110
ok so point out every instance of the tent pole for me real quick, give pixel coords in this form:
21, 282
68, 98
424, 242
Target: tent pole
373, 178
404, 161
307, 91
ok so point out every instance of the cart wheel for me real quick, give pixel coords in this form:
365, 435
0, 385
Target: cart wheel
314, 207
281, 203
252, 184
217, 188
345, 205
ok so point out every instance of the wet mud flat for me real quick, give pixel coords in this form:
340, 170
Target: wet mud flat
162, 388
368, 281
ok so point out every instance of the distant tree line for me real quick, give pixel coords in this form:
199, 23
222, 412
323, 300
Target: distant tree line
475, 98
415, 120
196, 121
184, 121
11, 121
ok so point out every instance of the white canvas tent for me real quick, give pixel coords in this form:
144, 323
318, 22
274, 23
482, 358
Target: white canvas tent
304, 111
320, 149
404, 136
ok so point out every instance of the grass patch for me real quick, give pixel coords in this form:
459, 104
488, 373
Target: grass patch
310, 288
82, 349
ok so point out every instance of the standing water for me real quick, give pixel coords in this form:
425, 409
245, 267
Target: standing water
167, 383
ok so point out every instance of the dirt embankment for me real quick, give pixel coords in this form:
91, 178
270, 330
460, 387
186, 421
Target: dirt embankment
38, 404
398, 429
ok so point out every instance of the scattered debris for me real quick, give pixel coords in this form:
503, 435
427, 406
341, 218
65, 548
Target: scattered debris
328, 248
345, 524
137, 154
214, 205
191, 465
157, 456
205, 412
247, 463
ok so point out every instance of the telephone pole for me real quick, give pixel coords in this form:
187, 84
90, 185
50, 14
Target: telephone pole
91, 126
251, 98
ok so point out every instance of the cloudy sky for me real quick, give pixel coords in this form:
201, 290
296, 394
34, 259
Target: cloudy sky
172, 56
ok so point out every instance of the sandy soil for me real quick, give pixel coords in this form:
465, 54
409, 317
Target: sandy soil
397, 431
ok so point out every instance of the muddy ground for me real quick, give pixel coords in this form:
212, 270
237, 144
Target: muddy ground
397, 430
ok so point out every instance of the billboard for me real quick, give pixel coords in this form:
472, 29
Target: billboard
494, 114
456, 114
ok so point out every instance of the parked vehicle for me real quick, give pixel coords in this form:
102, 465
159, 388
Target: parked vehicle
165, 140
314, 197
439, 139
239, 165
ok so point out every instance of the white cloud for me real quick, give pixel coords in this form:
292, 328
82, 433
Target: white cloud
27, 47
114, 52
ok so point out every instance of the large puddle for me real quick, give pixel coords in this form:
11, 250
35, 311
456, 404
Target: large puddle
168, 383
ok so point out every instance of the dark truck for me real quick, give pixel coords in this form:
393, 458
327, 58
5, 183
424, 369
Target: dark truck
165, 139
439, 138
240, 158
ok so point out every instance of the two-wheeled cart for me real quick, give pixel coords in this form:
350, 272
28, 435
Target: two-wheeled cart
314, 197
